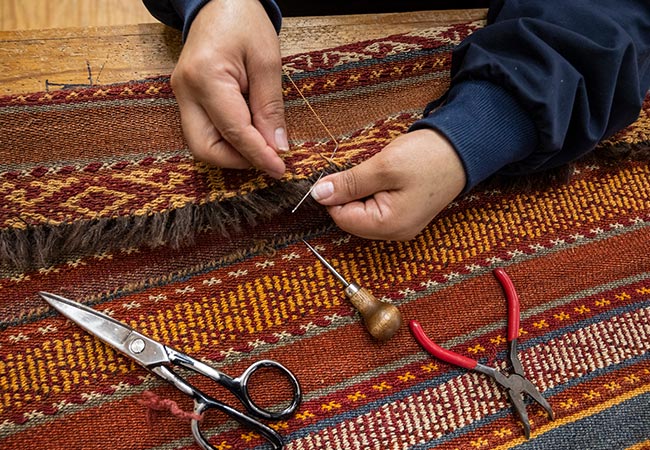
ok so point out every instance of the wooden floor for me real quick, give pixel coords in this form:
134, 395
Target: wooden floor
41, 14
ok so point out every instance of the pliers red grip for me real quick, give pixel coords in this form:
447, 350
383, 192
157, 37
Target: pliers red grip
515, 383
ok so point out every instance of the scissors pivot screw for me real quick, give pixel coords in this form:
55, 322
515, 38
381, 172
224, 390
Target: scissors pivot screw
137, 346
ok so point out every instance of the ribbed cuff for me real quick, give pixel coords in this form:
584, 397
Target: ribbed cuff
486, 125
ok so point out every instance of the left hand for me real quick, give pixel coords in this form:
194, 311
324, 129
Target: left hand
232, 50
397, 192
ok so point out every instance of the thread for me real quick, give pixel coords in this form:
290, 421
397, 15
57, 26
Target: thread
155, 403
336, 142
313, 111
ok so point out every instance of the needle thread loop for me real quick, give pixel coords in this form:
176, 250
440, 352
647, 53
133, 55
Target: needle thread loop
336, 142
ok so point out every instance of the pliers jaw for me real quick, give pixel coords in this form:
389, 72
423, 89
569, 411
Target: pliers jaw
517, 386
517, 401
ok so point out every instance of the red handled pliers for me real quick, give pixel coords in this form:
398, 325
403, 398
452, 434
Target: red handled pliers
515, 383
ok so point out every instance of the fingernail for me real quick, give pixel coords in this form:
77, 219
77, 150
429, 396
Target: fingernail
322, 190
281, 141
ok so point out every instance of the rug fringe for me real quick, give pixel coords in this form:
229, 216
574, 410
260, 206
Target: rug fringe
40, 246
35, 247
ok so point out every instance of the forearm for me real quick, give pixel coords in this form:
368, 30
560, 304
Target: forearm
543, 83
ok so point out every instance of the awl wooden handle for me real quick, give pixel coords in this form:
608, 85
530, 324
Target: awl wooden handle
381, 319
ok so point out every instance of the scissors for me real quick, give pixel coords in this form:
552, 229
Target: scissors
159, 358
515, 383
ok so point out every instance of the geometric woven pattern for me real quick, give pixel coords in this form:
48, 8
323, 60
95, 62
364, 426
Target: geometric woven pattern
576, 252
100, 160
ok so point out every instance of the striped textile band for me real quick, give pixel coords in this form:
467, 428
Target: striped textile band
125, 221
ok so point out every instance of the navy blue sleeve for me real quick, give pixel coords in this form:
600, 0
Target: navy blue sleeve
180, 13
543, 83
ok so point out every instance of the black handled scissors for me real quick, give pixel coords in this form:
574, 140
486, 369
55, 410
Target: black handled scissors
516, 384
159, 358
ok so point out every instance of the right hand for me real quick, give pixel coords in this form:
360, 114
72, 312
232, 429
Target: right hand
232, 49
395, 193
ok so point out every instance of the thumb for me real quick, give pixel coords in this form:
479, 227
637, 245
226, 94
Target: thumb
356, 183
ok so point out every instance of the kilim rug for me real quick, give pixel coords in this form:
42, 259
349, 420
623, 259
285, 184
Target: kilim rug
101, 203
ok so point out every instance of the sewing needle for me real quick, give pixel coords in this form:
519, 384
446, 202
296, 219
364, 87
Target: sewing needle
336, 147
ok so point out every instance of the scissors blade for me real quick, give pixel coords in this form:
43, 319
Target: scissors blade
118, 335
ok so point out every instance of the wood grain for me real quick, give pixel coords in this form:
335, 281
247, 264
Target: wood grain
40, 14
31, 60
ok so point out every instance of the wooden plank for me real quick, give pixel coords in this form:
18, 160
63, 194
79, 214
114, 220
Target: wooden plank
33, 60
301, 34
40, 14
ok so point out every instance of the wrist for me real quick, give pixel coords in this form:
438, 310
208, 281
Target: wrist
190, 9
442, 160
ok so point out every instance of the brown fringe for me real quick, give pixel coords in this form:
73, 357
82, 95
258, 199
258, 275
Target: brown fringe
41, 246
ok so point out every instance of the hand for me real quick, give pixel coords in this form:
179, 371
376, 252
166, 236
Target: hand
397, 192
232, 49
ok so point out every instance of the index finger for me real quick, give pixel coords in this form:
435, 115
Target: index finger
231, 116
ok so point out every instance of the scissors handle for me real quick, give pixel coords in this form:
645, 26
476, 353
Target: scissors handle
203, 402
200, 406
240, 386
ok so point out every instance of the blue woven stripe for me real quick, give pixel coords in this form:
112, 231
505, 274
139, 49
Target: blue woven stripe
618, 427
446, 376
549, 393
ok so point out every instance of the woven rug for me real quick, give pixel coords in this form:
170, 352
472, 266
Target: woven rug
102, 204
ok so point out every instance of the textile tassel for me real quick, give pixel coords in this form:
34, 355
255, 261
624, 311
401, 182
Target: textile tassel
155, 403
